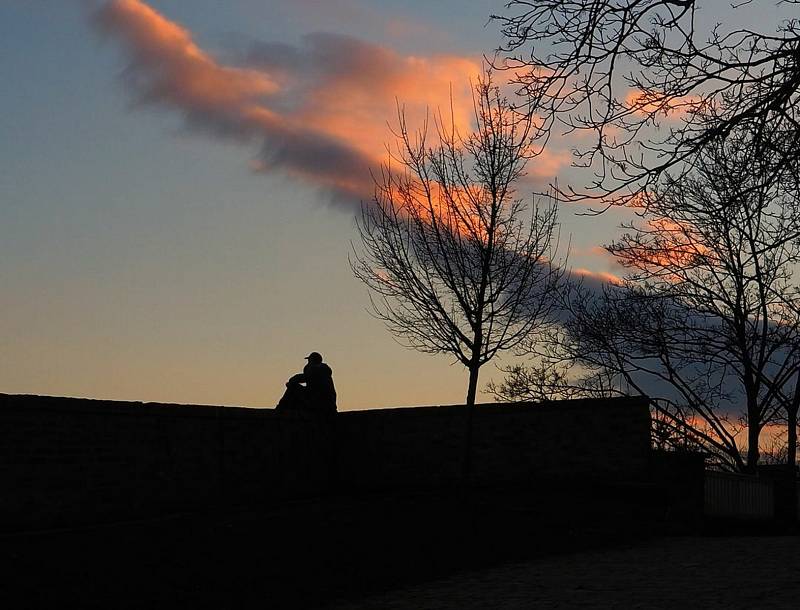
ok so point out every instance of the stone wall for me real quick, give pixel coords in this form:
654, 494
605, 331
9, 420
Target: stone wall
424, 446
67, 461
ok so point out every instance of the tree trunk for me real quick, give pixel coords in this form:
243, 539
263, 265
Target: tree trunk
791, 460
472, 390
791, 429
753, 433
466, 466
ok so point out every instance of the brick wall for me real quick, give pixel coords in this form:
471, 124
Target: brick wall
67, 461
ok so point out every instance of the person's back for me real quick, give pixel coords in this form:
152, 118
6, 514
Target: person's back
319, 381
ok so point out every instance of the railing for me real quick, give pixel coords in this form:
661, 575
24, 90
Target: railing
738, 496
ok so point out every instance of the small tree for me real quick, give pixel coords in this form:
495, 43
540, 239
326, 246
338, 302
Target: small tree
452, 264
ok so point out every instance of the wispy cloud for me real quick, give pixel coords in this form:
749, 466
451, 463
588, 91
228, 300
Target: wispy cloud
317, 111
168, 67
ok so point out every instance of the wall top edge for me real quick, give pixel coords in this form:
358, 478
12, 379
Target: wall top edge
27, 402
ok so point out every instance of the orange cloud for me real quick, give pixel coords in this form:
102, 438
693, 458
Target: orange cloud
168, 66
601, 277
350, 89
670, 248
647, 103
547, 163
318, 111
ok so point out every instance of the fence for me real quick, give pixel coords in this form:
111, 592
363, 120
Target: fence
738, 496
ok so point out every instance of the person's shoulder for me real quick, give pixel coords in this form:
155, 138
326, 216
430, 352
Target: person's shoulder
319, 367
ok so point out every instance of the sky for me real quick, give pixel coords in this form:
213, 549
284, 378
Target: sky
178, 186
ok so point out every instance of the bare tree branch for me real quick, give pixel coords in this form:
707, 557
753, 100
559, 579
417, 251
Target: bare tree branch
650, 88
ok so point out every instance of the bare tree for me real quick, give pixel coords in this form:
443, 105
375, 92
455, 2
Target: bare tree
707, 321
649, 83
553, 377
454, 262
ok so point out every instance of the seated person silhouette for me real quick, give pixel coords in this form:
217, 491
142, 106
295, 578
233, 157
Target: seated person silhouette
318, 393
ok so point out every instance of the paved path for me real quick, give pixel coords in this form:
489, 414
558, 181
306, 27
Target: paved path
708, 573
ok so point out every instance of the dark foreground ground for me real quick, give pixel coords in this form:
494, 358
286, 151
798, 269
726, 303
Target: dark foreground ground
491, 550
671, 573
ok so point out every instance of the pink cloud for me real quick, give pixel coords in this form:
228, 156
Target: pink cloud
317, 111
601, 277
168, 67
349, 89
674, 107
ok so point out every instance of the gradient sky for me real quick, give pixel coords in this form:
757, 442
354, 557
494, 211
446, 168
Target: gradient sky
178, 182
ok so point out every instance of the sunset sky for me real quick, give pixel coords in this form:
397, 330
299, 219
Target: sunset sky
178, 183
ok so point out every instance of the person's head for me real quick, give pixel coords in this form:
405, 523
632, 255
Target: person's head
314, 358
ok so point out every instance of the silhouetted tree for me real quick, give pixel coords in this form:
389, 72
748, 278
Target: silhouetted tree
708, 316
551, 378
651, 85
454, 261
